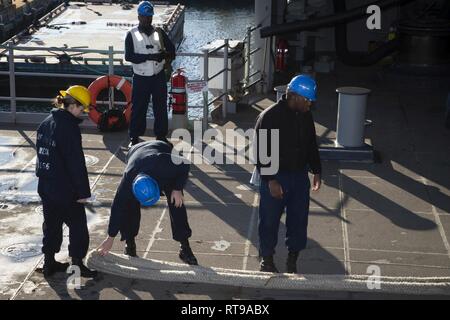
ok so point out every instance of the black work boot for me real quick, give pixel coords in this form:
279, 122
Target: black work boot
130, 248
84, 271
186, 254
267, 265
291, 262
51, 266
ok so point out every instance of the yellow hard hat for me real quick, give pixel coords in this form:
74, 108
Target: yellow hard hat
79, 93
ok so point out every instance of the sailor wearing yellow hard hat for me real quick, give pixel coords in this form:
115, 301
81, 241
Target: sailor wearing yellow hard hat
78, 96
63, 180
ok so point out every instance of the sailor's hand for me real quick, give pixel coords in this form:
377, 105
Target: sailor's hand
83, 200
317, 182
176, 198
275, 189
106, 246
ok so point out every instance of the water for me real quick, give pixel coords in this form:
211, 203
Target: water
206, 21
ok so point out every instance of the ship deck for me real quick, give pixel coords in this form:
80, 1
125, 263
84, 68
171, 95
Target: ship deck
394, 215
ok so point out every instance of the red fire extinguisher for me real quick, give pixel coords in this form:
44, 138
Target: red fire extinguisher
178, 99
282, 55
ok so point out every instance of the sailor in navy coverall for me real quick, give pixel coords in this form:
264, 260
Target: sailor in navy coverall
63, 183
154, 159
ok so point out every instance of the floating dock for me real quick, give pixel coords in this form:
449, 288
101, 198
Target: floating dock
86, 27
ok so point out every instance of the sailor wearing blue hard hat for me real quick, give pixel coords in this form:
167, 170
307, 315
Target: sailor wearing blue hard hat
145, 9
149, 171
304, 86
288, 189
150, 51
146, 190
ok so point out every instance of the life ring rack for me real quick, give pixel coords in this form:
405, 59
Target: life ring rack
105, 82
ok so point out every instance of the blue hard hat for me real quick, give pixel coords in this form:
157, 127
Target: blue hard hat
304, 86
146, 190
145, 9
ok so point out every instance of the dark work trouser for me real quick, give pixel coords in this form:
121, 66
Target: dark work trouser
181, 230
74, 216
296, 187
144, 87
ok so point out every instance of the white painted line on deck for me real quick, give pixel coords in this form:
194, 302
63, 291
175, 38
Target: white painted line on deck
104, 169
374, 211
195, 202
398, 251
211, 254
24, 142
401, 264
156, 230
345, 239
248, 242
377, 177
219, 171
441, 230
438, 221
29, 163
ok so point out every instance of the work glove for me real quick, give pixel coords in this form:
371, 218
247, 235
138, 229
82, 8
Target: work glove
158, 57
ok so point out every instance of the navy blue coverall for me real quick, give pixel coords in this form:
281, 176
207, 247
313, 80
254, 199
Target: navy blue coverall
144, 87
154, 159
63, 179
298, 154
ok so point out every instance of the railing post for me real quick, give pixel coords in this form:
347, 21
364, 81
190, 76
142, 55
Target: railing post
12, 81
247, 56
111, 72
263, 70
225, 80
205, 94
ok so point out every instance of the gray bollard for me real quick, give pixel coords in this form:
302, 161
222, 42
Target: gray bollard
351, 116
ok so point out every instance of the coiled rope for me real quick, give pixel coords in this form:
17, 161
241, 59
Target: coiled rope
149, 269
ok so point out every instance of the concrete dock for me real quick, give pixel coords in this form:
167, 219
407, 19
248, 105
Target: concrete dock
394, 214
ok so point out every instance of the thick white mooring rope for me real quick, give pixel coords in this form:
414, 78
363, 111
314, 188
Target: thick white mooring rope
149, 269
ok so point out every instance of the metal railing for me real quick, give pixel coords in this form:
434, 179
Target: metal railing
109, 54
247, 61
10, 49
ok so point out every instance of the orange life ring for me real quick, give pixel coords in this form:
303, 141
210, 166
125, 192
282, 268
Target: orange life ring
105, 82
